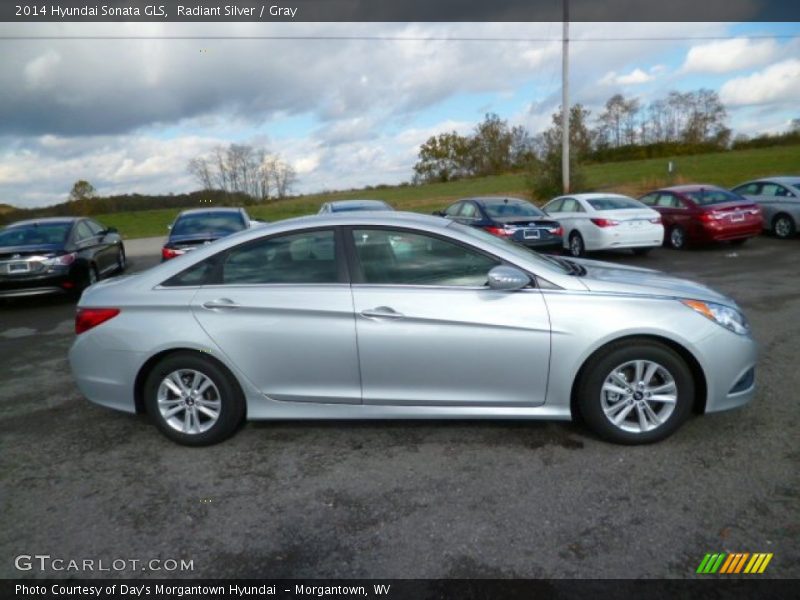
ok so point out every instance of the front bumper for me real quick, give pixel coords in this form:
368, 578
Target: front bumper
730, 369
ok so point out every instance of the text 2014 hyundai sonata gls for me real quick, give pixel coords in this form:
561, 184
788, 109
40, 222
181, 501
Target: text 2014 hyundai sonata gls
374, 316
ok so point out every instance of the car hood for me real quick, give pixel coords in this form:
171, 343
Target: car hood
622, 279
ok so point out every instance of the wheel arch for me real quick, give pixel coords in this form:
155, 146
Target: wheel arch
150, 364
698, 375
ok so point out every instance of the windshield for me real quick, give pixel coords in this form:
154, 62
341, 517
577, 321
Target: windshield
39, 234
511, 208
199, 223
614, 203
708, 197
518, 250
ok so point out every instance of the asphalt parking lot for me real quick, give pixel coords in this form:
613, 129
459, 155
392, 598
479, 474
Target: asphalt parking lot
407, 499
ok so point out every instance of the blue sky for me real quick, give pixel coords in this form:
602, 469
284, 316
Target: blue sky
128, 115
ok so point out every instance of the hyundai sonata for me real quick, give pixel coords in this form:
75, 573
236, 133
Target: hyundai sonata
369, 316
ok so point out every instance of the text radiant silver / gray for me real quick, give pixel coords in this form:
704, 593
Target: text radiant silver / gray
367, 316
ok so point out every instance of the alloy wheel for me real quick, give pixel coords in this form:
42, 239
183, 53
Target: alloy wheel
783, 227
189, 401
677, 238
576, 245
638, 396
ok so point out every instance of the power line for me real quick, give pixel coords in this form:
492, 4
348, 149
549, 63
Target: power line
368, 38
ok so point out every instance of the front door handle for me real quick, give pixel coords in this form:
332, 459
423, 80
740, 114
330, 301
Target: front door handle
382, 312
220, 303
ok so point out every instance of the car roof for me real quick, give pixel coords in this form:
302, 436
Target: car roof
399, 218
591, 196
335, 203
210, 210
691, 187
783, 179
51, 220
493, 199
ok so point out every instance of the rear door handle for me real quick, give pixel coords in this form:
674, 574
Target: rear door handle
382, 312
220, 303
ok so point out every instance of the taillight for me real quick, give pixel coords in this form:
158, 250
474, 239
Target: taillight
62, 260
605, 222
556, 230
498, 231
87, 318
656, 220
167, 253
710, 216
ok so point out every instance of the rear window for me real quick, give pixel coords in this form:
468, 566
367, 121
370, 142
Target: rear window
223, 223
613, 203
34, 235
354, 207
512, 208
708, 197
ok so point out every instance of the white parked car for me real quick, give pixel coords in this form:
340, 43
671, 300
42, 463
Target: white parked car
605, 222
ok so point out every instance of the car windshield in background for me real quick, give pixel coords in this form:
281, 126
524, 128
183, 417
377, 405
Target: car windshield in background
707, 197
208, 223
360, 207
35, 235
502, 209
613, 203
518, 249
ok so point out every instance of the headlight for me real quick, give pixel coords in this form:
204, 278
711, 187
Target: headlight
728, 317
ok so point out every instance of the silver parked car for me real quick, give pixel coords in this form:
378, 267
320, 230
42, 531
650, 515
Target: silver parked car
338, 206
779, 199
375, 316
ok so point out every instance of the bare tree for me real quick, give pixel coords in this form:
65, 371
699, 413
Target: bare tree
240, 168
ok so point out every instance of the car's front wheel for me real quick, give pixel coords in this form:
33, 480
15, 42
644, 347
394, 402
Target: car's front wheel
193, 400
635, 392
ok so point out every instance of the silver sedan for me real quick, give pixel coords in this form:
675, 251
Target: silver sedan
779, 198
369, 316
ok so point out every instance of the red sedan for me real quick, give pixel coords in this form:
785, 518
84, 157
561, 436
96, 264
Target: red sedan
704, 213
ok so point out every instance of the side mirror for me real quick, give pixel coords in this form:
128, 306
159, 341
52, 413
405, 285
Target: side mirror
507, 278
169, 227
438, 213
111, 230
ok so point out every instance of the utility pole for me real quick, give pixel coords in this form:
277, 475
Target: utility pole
565, 101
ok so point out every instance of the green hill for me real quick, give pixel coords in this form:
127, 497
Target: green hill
631, 177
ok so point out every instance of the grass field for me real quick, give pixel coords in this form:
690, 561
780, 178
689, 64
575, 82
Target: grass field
631, 177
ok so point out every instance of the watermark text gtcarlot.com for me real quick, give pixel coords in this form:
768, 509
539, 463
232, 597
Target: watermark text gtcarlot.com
48, 563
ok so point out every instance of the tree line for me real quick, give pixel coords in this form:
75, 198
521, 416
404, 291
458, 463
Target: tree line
680, 123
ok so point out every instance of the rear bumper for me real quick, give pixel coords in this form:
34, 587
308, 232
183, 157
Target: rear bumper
104, 376
714, 232
36, 286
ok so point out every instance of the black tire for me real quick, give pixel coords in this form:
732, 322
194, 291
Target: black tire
590, 394
90, 277
677, 238
122, 260
576, 246
783, 227
231, 400
641, 251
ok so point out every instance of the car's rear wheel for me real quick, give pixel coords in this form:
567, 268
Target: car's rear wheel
122, 260
783, 226
193, 400
635, 392
677, 238
576, 246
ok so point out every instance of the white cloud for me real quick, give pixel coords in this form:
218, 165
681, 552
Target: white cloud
779, 83
724, 56
635, 77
